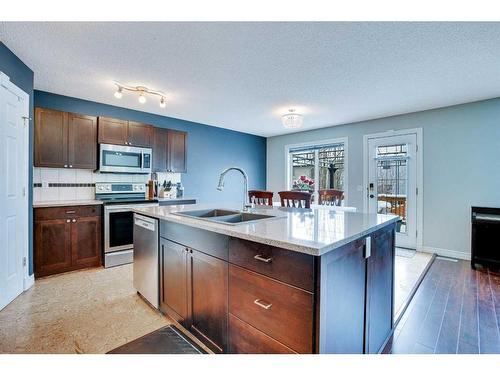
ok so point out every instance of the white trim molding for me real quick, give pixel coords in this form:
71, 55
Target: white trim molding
445, 252
325, 142
29, 281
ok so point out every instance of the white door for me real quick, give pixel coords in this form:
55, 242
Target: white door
392, 183
13, 184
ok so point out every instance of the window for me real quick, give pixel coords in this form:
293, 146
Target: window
315, 167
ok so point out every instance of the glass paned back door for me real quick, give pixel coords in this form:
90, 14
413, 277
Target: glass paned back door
392, 183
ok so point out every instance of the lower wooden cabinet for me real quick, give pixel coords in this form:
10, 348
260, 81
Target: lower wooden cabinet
193, 291
238, 296
208, 299
66, 239
245, 339
173, 283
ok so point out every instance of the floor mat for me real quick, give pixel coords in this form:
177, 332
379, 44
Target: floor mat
166, 340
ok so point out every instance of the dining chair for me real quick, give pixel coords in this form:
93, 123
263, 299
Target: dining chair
331, 197
295, 199
261, 197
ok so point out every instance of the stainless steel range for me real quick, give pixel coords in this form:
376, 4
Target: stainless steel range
119, 199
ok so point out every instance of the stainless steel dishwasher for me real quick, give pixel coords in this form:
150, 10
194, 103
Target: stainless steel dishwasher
146, 260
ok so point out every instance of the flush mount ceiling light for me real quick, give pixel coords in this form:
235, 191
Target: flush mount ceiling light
291, 120
142, 90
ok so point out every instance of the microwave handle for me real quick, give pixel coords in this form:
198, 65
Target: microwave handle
142, 160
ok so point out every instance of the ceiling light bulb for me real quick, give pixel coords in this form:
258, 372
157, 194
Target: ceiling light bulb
292, 120
162, 102
142, 98
118, 93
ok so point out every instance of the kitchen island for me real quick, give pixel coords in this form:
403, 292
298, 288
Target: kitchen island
290, 281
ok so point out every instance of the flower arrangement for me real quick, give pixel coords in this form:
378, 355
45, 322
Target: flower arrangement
303, 183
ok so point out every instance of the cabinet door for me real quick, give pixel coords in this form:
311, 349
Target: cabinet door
160, 137
342, 300
173, 293
112, 131
139, 134
86, 242
82, 141
208, 278
177, 151
380, 289
51, 138
52, 246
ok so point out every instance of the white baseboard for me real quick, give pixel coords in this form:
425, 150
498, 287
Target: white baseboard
29, 281
445, 252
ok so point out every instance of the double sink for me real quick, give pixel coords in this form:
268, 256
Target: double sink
222, 216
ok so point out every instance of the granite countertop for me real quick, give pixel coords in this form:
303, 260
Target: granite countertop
175, 199
81, 202
314, 232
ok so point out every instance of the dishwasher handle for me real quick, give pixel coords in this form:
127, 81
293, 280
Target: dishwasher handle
146, 224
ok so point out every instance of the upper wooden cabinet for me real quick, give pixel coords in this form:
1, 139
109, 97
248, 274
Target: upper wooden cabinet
177, 151
65, 140
169, 150
122, 132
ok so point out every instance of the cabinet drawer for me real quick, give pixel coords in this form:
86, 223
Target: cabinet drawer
245, 339
285, 265
281, 311
50, 213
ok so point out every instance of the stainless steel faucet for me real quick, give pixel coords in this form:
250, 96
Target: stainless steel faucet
246, 202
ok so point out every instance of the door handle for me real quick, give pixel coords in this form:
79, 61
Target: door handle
372, 196
265, 305
263, 259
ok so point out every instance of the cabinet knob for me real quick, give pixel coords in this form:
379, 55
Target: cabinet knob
65, 165
68, 220
73, 221
70, 166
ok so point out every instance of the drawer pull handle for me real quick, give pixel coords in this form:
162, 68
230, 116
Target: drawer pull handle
70, 212
263, 304
263, 259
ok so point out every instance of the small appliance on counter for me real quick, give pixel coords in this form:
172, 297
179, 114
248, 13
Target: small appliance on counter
120, 198
485, 228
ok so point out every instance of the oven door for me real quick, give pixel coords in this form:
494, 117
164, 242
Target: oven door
119, 227
124, 159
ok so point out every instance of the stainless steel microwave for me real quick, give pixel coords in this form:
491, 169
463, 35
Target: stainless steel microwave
124, 159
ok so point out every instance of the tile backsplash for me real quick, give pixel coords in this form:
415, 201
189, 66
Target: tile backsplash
60, 184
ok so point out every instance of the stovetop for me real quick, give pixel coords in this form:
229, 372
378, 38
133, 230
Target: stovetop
122, 193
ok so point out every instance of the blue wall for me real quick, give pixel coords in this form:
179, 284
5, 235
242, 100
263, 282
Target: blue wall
22, 77
209, 149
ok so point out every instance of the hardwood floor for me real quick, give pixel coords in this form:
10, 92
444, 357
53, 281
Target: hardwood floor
455, 310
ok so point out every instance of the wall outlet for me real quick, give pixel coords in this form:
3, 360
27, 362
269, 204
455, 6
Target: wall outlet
45, 184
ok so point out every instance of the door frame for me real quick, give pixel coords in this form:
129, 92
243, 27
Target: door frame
420, 175
325, 142
28, 280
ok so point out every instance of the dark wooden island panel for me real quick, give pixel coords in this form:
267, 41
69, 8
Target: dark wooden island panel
245, 297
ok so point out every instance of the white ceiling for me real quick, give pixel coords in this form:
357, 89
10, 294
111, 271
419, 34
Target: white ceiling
243, 76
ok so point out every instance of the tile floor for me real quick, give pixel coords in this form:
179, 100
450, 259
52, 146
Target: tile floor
409, 266
90, 311
97, 310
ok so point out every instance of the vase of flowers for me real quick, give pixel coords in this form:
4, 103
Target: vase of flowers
303, 183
